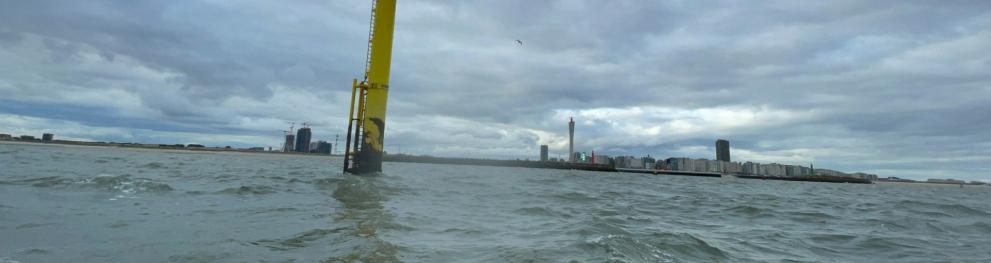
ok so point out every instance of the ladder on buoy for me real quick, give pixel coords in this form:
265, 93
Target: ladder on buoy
355, 121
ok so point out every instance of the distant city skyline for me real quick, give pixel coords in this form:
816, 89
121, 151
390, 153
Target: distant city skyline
721, 164
894, 90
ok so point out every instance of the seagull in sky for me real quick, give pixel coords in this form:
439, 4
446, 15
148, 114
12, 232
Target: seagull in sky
519, 42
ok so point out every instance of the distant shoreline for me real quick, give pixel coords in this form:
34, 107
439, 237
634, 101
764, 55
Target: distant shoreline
928, 183
389, 158
157, 147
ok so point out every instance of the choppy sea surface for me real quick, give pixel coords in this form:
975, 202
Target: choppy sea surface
92, 204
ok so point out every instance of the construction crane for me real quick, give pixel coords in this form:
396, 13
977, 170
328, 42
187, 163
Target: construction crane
287, 145
366, 119
283, 148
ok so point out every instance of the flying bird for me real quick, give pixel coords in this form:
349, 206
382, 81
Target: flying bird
519, 42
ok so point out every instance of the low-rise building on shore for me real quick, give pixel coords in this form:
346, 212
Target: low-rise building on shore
628, 162
945, 181
750, 168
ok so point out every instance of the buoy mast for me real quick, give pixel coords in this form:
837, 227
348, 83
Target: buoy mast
366, 119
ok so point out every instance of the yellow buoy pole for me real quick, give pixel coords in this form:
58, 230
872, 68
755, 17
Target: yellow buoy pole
369, 156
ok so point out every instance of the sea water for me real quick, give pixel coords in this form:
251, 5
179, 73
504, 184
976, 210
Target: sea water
63, 203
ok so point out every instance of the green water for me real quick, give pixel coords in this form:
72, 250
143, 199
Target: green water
89, 204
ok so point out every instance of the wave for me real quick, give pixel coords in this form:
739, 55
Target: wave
885, 244
298, 240
152, 165
126, 184
749, 211
200, 256
48, 181
658, 247
113, 183
276, 178
927, 208
811, 216
977, 228
832, 238
540, 211
340, 242
327, 183
574, 197
544, 180
688, 246
359, 193
462, 231
34, 251
248, 190
887, 224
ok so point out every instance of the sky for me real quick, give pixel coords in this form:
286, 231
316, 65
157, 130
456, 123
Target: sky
895, 88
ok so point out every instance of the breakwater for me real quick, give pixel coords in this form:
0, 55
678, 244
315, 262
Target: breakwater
606, 168
685, 173
815, 178
819, 178
610, 168
504, 163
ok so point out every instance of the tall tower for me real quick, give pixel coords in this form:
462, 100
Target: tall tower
571, 140
722, 150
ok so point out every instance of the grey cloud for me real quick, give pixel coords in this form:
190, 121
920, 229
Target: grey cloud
8, 37
218, 51
888, 78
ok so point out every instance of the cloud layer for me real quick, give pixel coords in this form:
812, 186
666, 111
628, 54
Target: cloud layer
899, 88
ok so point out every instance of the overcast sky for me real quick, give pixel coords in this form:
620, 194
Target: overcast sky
896, 88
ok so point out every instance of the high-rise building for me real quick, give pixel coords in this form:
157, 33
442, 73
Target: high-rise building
47, 137
314, 145
722, 150
323, 147
543, 152
303, 140
290, 142
571, 140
